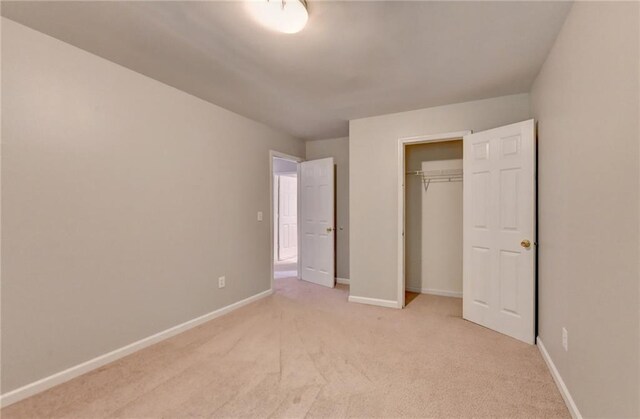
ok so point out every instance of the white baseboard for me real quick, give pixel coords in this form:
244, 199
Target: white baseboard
441, 293
564, 391
344, 281
77, 370
373, 301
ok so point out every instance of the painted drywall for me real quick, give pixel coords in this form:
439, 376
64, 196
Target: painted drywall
283, 167
586, 102
123, 201
433, 220
338, 148
373, 180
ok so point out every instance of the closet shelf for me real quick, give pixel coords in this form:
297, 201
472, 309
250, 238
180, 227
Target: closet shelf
438, 176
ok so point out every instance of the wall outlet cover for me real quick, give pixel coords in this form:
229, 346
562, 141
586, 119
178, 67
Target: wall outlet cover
222, 282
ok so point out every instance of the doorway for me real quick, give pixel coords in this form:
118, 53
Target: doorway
425, 162
433, 219
285, 217
302, 206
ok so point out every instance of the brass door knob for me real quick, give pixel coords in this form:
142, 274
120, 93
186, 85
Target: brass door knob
329, 229
525, 243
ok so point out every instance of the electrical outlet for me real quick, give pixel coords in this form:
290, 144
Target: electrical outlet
259, 215
565, 339
222, 282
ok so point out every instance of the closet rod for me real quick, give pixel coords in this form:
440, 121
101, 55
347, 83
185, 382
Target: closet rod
438, 176
434, 173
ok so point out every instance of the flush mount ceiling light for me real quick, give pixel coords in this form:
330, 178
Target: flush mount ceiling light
288, 16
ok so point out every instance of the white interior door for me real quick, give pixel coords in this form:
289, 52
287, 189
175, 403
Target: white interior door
317, 215
499, 229
287, 217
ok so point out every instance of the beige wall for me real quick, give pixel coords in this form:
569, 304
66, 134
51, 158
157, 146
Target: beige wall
586, 102
433, 219
338, 148
373, 180
123, 201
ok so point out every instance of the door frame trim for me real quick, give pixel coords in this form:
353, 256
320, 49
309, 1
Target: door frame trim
277, 154
402, 143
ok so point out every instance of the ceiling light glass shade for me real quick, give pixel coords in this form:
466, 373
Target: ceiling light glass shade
288, 16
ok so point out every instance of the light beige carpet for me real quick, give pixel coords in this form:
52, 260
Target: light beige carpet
306, 351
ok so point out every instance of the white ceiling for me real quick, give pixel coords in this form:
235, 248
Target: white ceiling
354, 59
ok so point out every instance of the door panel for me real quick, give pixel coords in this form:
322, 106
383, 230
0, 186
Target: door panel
317, 214
499, 213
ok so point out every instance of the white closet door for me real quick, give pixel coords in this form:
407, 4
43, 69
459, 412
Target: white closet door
317, 222
499, 230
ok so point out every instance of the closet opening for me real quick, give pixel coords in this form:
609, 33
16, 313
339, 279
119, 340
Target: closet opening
432, 217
